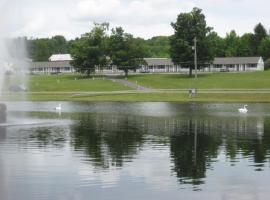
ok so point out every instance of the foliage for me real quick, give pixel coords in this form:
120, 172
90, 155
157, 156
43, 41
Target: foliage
259, 34
124, 51
89, 52
264, 48
158, 46
232, 42
187, 27
246, 45
42, 49
216, 45
39, 50
267, 64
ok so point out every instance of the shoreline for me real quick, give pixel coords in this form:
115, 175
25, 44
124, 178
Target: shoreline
237, 96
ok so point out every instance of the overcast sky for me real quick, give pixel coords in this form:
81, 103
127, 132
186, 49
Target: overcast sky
143, 18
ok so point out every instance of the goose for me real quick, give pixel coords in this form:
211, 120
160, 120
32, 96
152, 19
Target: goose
243, 110
58, 107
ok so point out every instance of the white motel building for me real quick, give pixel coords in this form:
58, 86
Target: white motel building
60, 63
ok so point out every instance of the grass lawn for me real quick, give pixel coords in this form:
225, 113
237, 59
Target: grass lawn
77, 88
71, 83
249, 80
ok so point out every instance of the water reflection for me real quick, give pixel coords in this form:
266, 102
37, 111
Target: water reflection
108, 140
193, 149
195, 143
204, 151
45, 137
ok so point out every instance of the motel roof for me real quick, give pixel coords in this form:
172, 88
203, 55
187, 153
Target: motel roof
158, 61
236, 60
60, 57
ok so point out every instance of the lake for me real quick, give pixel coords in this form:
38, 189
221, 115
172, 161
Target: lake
118, 151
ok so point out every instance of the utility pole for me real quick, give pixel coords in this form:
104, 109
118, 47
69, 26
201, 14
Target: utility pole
195, 57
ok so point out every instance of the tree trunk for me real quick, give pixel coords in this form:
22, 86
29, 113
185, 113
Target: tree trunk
126, 73
190, 71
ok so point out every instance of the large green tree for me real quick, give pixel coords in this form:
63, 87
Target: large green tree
260, 33
40, 49
186, 28
125, 52
264, 48
59, 44
246, 47
232, 41
90, 51
158, 46
216, 45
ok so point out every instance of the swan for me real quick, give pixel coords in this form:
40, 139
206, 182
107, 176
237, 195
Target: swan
243, 110
58, 107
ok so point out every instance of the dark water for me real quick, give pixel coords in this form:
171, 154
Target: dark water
135, 151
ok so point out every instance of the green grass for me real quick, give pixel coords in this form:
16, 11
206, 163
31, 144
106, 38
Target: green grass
71, 83
250, 80
66, 88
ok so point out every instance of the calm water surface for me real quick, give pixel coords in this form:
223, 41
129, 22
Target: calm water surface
145, 151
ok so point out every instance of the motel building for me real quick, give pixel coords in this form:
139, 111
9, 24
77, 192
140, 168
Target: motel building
60, 63
237, 64
159, 65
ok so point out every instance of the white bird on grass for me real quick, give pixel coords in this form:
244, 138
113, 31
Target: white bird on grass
243, 110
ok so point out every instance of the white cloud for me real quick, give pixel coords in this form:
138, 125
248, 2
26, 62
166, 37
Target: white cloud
144, 18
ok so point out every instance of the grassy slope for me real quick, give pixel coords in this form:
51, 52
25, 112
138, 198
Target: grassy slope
67, 83
55, 90
254, 80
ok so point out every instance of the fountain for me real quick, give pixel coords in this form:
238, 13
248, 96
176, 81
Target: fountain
13, 62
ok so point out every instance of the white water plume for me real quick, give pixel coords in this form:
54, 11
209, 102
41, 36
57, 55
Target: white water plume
13, 56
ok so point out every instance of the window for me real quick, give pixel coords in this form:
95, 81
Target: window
161, 66
252, 65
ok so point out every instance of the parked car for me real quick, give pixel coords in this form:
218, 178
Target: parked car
224, 70
145, 71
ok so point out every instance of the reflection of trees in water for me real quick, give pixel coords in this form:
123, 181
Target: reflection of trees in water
49, 136
108, 140
192, 151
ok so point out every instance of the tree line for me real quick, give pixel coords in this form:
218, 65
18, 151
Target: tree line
101, 47
40, 49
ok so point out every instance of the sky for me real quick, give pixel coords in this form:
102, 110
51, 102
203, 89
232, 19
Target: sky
142, 18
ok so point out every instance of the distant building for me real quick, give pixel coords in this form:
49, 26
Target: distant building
238, 64
160, 65
58, 63
51, 67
